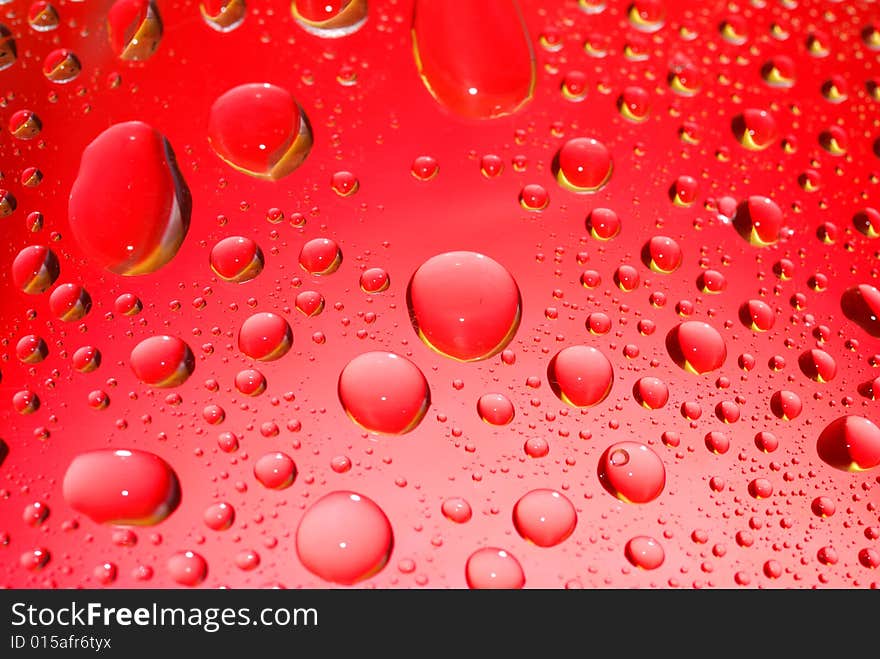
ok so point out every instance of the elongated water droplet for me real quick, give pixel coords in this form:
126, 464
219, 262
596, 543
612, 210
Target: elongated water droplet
123, 487
129, 207
475, 58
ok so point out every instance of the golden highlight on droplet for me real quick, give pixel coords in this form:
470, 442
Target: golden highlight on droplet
833, 94
595, 50
568, 185
634, 54
680, 87
229, 16
514, 326
730, 35
146, 40
774, 77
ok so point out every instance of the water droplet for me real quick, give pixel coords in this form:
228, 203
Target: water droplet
384, 392
583, 164
786, 405
310, 303
536, 447
464, 305
61, 66
344, 538
25, 125
329, 19
634, 104
121, 487
162, 361
374, 280
250, 382
187, 568
534, 197
850, 443
651, 393
867, 221
755, 129
320, 256
70, 302
31, 349
603, 224
456, 510
8, 49
632, 472
861, 304
237, 259
818, 365
424, 168
581, 376
475, 59
276, 470
260, 130
344, 183
757, 315
494, 568
134, 28
647, 15
822, 507
86, 359
491, 165
495, 409
35, 269
223, 15
544, 517
129, 175
662, 254
696, 347
759, 220
779, 71
644, 552
265, 337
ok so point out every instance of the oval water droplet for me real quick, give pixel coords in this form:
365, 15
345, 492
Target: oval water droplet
475, 58
122, 487
644, 552
187, 568
320, 256
129, 208
861, 304
495, 409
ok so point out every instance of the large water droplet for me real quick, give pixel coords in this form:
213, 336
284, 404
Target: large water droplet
129, 207
344, 538
134, 28
123, 487
384, 392
260, 130
850, 443
475, 58
861, 304
464, 305
35, 269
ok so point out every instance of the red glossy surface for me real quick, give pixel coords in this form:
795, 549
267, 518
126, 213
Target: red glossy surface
745, 494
